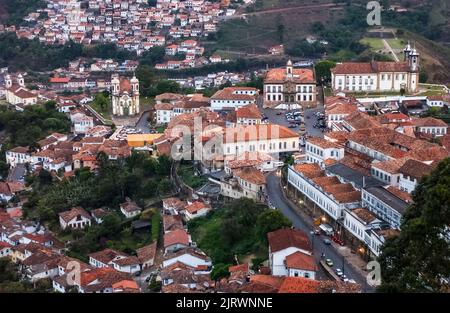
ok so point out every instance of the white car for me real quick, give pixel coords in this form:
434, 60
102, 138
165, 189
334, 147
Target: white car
339, 272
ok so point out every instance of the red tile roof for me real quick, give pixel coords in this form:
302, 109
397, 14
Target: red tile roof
67, 216
287, 237
278, 75
179, 236
298, 260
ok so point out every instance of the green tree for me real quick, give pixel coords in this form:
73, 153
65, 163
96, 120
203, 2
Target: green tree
280, 32
418, 259
268, 221
323, 71
220, 271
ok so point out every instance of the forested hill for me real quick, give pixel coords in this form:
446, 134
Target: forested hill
12, 12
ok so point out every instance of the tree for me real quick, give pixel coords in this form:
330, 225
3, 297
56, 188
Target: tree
101, 101
323, 71
418, 259
280, 32
423, 76
146, 77
220, 271
268, 221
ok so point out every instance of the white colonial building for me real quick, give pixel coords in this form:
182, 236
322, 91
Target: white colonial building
124, 95
289, 88
378, 76
16, 92
268, 138
327, 192
76, 218
233, 97
318, 150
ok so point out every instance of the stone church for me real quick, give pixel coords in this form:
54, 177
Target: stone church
124, 95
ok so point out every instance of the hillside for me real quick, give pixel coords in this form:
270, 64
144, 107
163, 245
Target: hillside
275, 22
13, 11
343, 25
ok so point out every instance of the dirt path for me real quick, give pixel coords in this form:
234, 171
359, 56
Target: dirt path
388, 47
316, 6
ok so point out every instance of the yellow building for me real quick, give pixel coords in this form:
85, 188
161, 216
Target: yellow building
142, 140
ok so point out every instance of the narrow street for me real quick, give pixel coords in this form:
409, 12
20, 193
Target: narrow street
304, 223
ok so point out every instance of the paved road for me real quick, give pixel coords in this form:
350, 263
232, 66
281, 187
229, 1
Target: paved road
17, 173
277, 198
142, 124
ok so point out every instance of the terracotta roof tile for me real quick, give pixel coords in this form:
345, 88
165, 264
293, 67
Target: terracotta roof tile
286, 237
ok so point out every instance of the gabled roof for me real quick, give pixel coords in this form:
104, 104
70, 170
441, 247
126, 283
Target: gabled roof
287, 237
146, 253
67, 216
301, 261
179, 236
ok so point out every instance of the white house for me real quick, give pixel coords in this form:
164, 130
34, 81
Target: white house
146, 255
359, 221
18, 155
430, 125
164, 113
5, 249
248, 115
129, 264
318, 150
233, 97
196, 209
247, 182
190, 257
299, 264
173, 206
438, 101
176, 240
283, 243
81, 122
410, 174
385, 203
105, 257
76, 217
130, 209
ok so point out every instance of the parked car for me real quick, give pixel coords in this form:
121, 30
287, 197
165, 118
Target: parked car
327, 241
317, 231
329, 262
292, 126
339, 272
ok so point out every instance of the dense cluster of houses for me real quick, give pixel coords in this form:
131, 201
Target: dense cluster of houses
132, 25
362, 173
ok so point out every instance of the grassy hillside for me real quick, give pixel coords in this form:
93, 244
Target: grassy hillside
260, 30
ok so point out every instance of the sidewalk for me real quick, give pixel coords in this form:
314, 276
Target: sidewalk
356, 262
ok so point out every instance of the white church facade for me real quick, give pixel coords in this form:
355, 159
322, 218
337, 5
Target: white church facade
124, 95
16, 93
378, 76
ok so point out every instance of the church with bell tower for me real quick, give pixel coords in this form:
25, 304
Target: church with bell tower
379, 76
124, 95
